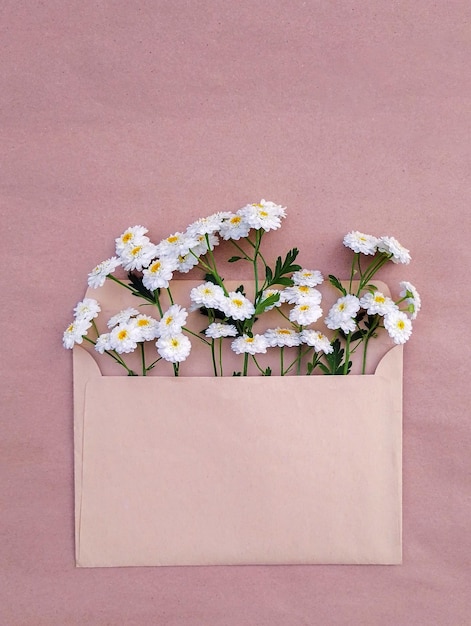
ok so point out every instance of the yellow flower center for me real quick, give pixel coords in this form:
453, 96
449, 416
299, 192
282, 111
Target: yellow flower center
283, 331
304, 288
380, 299
122, 334
341, 306
249, 340
172, 239
263, 214
304, 307
207, 291
238, 302
143, 322
135, 251
236, 219
175, 343
169, 320
126, 238
71, 328
258, 206
154, 268
401, 325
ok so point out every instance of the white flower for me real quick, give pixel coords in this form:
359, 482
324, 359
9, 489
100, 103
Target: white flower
342, 313
88, 309
177, 245
207, 225
317, 340
158, 274
234, 227
310, 278
122, 317
139, 255
377, 303
298, 294
305, 313
399, 326
129, 237
265, 214
412, 297
208, 295
75, 332
202, 247
97, 276
389, 245
237, 306
172, 321
103, 343
271, 292
123, 338
147, 327
217, 330
281, 337
359, 242
257, 344
174, 348
186, 263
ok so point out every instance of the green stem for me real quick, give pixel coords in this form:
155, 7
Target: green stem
347, 354
114, 356
213, 357
282, 351
143, 359
190, 332
170, 296
258, 366
157, 302
246, 364
242, 251
220, 357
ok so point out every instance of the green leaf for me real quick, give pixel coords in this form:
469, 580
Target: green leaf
268, 274
233, 259
282, 269
267, 372
138, 286
240, 289
237, 373
264, 304
337, 284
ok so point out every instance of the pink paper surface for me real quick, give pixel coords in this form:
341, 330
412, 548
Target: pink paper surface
353, 115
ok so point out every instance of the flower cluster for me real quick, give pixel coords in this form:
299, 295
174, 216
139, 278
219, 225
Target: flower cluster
234, 319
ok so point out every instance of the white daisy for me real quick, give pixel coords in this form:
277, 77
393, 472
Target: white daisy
377, 303
317, 340
265, 214
281, 337
103, 343
208, 295
412, 298
202, 247
122, 317
207, 225
237, 306
129, 237
257, 344
186, 263
342, 313
172, 321
359, 242
305, 313
75, 332
158, 274
174, 348
217, 330
123, 338
147, 327
97, 276
176, 245
391, 246
139, 255
298, 294
87, 309
271, 292
234, 227
398, 325
310, 278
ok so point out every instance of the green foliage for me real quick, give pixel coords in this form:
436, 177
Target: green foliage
337, 284
335, 361
139, 290
278, 276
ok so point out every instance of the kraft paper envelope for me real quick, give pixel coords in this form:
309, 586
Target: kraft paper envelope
256, 470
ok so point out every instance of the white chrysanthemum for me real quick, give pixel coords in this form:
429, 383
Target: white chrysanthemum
186, 263
389, 245
139, 255
147, 327
177, 245
75, 332
202, 247
234, 227
412, 298
87, 309
216, 330
97, 276
377, 303
271, 292
172, 321
298, 294
237, 306
305, 313
208, 295
158, 274
257, 344
207, 225
124, 338
174, 348
309, 278
129, 237
342, 313
399, 326
359, 242
317, 340
122, 317
282, 337
264, 214
103, 343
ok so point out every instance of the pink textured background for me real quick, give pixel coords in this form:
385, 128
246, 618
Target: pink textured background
356, 115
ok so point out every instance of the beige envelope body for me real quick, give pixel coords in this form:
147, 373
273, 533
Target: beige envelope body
233, 470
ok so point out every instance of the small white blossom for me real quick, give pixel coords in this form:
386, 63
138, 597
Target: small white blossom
103, 343
377, 303
186, 263
147, 327
87, 309
208, 295
122, 317
75, 332
342, 313
281, 337
97, 276
237, 306
207, 225
174, 348
202, 246
139, 255
177, 245
271, 292
359, 242
257, 344
172, 321
234, 227
266, 215
412, 298
305, 313
217, 330
124, 338
399, 326
309, 278
298, 294
391, 246
158, 274
129, 237
317, 340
